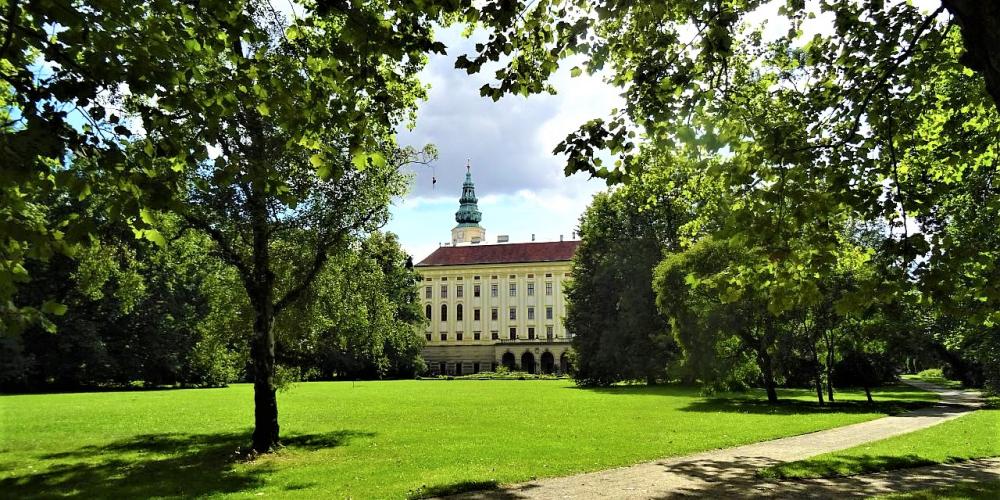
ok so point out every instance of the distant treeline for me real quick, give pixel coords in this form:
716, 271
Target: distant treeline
140, 314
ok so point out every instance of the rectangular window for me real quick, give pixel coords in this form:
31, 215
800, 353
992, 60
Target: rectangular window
444, 278
531, 313
494, 314
476, 335
428, 337
513, 333
513, 313
476, 278
548, 312
427, 292
531, 333
428, 279
494, 290
458, 335
459, 291
548, 332
475, 290
458, 278
548, 288
475, 314
495, 335
458, 312
444, 336
444, 291
513, 276
548, 275
531, 275
493, 277
513, 289
531, 289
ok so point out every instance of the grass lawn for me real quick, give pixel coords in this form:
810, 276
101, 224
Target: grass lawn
935, 377
975, 435
389, 439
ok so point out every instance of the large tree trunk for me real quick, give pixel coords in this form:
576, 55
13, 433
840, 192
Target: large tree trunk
265, 434
980, 22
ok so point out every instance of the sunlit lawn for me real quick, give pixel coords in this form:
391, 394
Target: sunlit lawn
380, 439
976, 435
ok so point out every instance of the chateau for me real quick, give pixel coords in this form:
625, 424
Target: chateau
491, 305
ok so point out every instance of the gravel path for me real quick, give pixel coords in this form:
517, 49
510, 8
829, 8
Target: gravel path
729, 472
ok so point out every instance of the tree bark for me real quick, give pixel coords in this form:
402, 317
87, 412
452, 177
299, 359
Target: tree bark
265, 434
980, 23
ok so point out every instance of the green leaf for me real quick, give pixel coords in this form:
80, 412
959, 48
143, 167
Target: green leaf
263, 109
155, 236
53, 307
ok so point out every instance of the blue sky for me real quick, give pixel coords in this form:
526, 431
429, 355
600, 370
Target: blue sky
519, 182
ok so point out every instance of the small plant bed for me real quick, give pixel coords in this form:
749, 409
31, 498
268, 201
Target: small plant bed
976, 435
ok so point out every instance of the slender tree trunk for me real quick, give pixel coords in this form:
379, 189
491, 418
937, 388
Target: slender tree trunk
829, 370
868, 393
767, 371
818, 376
265, 434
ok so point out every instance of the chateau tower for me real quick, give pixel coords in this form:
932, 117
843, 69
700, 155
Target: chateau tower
468, 216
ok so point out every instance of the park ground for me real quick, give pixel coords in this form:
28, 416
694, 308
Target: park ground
390, 439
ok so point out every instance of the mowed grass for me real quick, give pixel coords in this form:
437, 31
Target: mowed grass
976, 435
390, 439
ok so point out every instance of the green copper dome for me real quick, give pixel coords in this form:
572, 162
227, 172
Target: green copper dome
468, 213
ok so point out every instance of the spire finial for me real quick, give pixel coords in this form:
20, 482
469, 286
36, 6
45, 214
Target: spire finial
468, 164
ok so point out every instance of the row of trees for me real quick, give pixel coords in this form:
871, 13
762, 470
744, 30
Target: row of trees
141, 314
659, 295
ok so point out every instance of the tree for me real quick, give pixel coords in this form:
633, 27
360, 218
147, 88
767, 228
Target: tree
361, 318
717, 313
190, 106
618, 333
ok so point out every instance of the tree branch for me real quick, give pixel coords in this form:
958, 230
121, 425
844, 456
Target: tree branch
229, 255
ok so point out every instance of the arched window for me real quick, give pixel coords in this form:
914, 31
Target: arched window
458, 312
427, 311
444, 312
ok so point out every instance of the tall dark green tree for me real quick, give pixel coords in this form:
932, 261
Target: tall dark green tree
618, 334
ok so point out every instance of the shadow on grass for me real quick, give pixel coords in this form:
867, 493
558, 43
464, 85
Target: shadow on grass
485, 488
797, 407
158, 465
845, 466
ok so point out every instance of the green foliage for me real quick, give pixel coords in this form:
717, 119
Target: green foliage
384, 439
362, 318
859, 112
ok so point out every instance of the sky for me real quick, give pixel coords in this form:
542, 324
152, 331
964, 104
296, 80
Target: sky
508, 143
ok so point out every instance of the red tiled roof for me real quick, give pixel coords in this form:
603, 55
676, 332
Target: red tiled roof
505, 253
